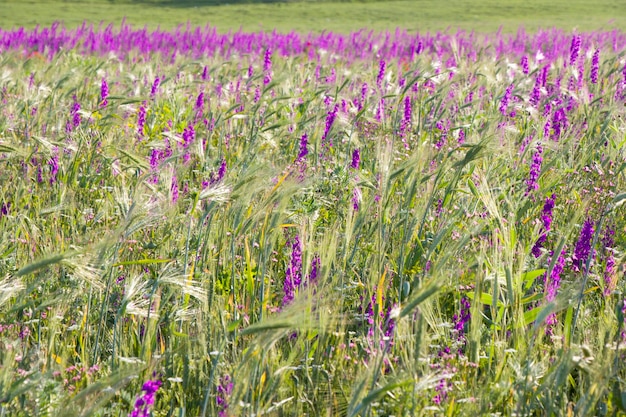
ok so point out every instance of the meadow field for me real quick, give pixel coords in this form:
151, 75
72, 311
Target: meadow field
198, 223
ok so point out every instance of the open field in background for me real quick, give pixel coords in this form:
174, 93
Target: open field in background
195, 224
419, 15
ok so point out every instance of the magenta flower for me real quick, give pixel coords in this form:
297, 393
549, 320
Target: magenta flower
330, 119
293, 273
267, 67
583, 246
74, 112
155, 87
595, 64
303, 148
504, 103
200, 103
145, 401
104, 93
189, 135
535, 95
535, 170
381, 73
224, 390
174, 189
546, 219
574, 49
356, 159
552, 287
141, 120
525, 64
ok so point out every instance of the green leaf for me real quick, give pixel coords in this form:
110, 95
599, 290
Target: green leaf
485, 298
530, 277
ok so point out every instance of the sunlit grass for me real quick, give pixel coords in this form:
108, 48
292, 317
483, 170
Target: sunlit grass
162, 249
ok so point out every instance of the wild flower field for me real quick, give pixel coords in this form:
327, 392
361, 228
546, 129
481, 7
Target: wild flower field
373, 224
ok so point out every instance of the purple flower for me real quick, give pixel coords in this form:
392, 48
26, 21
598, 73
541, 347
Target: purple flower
574, 49
219, 176
546, 219
145, 401
595, 64
461, 320
174, 189
189, 135
363, 96
155, 87
303, 148
315, 268
609, 274
504, 103
224, 390
544, 75
559, 123
609, 271
535, 170
381, 73
74, 112
356, 198
222, 171
546, 128
553, 285
356, 159
406, 120
141, 120
535, 95
583, 246
461, 139
525, 64
293, 273
6, 207
200, 103
330, 119
104, 93
267, 67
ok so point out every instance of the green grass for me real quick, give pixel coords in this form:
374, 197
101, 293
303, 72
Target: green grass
420, 15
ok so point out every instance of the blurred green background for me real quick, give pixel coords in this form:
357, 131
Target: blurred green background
316, 16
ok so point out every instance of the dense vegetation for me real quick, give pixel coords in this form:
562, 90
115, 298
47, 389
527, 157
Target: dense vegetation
371, 224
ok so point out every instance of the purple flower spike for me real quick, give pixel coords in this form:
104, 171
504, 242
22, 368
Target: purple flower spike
574, 49
303, 148
224, 390
141, 120
174, 189
546, 219
267, 67
552, 287
293, 273
381, 73
330, 119
104, 93
461, 320
535, 170
145, 401
525, 64
504, 104
595, 64
583, 246
155, 87
54, 168
356, 159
